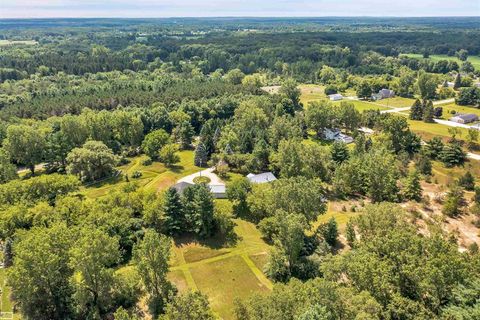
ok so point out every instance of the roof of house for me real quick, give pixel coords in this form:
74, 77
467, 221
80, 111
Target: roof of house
465, 117
181, 186
336, 95
217, 188
261, 177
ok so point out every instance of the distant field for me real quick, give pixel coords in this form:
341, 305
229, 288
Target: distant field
475, 60
4, 43
311, 92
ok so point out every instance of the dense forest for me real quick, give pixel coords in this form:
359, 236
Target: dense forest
83, 99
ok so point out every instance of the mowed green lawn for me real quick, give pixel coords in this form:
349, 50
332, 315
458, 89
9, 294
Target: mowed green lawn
155, 177
223, 273
475, 60
448, 108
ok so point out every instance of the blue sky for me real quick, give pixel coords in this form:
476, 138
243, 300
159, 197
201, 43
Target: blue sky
209, 8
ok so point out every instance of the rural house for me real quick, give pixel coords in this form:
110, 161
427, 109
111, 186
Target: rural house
335, 97
218, 191
464, 118
383, 94
337, 135
264, 177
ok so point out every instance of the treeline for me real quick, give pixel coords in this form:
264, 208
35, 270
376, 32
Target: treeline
66, 255
79, 54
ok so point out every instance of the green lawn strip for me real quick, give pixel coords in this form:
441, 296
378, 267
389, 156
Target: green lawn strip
259, 274
225, 280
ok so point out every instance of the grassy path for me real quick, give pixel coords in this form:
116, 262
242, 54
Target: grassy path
259, 274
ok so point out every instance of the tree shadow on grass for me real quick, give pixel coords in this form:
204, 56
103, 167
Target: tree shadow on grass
217, 241
176, 168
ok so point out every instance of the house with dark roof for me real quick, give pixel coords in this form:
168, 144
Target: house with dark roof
264, 177
464, 118
383, 94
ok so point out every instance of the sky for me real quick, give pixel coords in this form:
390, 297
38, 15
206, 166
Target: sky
244, 8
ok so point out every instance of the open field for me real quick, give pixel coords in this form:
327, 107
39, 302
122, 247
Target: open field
4, 43
223, 273
363, 105
429, 130
475, 60
310, 92
154, 177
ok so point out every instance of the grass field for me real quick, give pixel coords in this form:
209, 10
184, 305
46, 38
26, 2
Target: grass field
154, 177
475, 60
310, 92
429, 130
223, 273
4, 43
446, 176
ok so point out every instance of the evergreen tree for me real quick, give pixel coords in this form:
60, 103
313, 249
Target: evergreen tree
413, 189
339, 152
329, 231
458, 82
428, 112
467, 181
201, 155
173, 209
437, 112
454, 202
183, 134
452, 155
423, 164
434, 147
350, 233
198, 210
260, 155
416, 111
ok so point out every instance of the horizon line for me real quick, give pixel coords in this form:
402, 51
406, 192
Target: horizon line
241, 17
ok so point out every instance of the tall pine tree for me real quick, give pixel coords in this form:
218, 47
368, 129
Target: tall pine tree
201, 155
416, 111
428, 112
413, 189
174, 214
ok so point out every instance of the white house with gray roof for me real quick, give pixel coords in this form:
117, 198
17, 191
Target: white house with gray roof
464, 118
264, 177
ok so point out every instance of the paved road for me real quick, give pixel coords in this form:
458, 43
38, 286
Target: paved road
436, 103
214, 179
